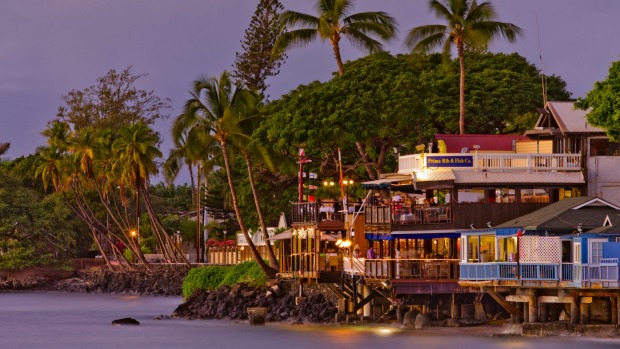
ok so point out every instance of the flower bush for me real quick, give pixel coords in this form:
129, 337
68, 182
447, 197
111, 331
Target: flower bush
215, 243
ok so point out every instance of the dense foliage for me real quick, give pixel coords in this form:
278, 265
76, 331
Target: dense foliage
387, 101
604, 101
211, 277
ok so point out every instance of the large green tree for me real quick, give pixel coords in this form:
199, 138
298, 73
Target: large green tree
333, 21
603, 103
467, 23
385, 101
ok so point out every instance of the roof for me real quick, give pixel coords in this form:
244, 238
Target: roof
590, 211
571, 120
512, 178
457, 143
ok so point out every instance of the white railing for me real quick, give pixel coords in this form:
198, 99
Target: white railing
497, 161
607, 271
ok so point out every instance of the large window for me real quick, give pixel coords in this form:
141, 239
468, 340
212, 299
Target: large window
535, 195
505, 195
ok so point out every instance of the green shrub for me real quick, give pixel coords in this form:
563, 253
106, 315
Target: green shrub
19, 257
212, 277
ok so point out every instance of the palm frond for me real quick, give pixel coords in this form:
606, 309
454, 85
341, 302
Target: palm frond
361, 40
426, 37
295, 38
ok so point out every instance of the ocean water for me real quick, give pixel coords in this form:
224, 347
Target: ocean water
62, 320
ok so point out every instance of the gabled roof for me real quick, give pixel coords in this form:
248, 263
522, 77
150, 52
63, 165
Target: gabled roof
566, 214
458, 143
610, 226
565, 118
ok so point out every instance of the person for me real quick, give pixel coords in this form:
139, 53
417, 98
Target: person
427, 203
370, 254
356, 251
396, 253
432, 202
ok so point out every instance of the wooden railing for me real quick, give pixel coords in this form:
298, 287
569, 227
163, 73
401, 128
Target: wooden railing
499, 161
421, 269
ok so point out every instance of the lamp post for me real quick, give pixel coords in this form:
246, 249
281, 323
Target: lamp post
225, 257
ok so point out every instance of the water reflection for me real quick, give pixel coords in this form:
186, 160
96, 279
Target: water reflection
55, 320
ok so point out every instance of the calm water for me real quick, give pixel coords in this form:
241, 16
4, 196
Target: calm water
59, 320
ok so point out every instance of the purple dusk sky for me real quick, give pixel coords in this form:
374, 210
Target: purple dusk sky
51, 47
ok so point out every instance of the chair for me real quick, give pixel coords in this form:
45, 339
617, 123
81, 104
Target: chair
444, 214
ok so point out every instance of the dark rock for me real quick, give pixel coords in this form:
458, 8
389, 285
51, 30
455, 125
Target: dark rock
125, 321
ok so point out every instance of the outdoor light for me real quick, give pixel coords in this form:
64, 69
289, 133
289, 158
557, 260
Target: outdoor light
489, 224
472, 226
339, 242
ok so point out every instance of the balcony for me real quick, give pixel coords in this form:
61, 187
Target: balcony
403, 269
606, 273
490, 162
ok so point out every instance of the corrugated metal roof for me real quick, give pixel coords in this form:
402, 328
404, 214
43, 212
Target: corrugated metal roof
469, 177
571, 120
562, 214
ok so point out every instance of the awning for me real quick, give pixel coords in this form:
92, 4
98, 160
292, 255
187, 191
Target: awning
282, 236
493, 231
384, 183
523, 178
425, 234
288, 233
413, 234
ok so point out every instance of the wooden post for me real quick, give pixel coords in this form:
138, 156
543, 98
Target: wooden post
542, 307
607, 311
574, 310
533, 305
585, 310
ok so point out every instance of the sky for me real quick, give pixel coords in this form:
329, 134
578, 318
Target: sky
48, 48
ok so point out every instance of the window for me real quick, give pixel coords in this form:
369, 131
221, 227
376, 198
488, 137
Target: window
596, 250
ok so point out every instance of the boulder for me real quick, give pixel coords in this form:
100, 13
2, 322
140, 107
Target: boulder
125, 321
422, 320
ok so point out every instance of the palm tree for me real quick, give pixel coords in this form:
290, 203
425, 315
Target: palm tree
249, 120
135, 152
215, 105
333, 22
468, 24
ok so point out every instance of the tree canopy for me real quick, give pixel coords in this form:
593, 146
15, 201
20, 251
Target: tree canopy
114, 102
387, 101
604, 103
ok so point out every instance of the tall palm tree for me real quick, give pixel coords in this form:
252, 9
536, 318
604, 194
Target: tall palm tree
467, 23
333, 22
216, 105
248, 121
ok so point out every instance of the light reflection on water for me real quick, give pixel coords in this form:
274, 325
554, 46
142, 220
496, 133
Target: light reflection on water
58, 320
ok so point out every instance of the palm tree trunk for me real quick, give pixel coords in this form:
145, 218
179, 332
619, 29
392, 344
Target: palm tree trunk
197, 242
273, 262
336, 48
269, 272
461, 53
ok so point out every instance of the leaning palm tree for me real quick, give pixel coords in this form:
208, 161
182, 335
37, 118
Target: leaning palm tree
333, 22
135, 151
467, 24
215, 106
